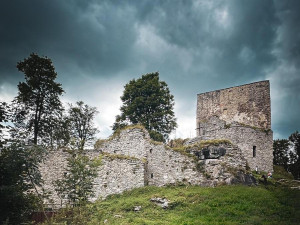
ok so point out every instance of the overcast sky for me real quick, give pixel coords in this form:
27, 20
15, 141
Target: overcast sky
197, 46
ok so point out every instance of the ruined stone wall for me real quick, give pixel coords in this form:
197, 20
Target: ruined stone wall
51, 170
130, 142
166, 166
220, 170
163, 165
245, 137
115, 175
131, 159
248, 104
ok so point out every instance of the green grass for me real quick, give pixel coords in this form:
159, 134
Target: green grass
193, 205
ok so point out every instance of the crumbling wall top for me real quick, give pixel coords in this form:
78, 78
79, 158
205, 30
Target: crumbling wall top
247, 104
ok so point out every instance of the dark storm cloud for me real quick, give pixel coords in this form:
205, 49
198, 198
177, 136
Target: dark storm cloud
196, 46
239, 34
90, 36
285, 75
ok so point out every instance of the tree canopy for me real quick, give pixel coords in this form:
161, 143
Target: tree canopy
82, 128
19, 176
287, 154
148, 101
38, 97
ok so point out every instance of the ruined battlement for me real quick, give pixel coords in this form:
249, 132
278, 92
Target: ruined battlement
247, 104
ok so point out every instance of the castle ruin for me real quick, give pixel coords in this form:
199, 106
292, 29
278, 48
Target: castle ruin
241, 114
131, 159
233, 135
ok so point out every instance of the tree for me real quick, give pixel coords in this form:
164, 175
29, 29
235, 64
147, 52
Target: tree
148, 101
19, 175
38, 97
295, 157
287, 154
77, 182
280, 152
61, 133
81, 119
3, 119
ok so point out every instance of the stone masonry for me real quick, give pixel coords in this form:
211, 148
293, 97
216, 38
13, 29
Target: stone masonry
241, 114
247, 104
130, 159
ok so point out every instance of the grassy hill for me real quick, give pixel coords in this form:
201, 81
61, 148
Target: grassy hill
193, 205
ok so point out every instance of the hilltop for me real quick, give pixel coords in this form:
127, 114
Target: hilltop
274, 203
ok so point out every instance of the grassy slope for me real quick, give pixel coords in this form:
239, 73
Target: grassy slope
195, 205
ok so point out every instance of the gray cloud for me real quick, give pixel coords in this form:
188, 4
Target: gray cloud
196, 46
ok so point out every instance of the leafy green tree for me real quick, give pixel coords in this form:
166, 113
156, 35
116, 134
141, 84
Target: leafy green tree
38, 97
148, 101
81, 118
280, 152
61, 134
19, 179
287, 154
77, 182
295, 156
3, 119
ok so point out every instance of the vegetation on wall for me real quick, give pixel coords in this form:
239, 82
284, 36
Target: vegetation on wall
202, 144
77, 182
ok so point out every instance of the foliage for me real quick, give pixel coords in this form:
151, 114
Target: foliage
287, 154
81, 121
38, 97
193, 205
295, 156
281, 173
19, 176
3, 119
148, 101
77, 182
280, 153
61, 134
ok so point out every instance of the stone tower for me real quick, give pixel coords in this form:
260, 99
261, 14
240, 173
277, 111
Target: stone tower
241, 114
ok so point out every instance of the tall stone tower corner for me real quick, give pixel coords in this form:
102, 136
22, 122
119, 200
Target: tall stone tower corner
241, 114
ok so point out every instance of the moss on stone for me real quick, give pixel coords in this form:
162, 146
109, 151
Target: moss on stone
185, 150
182, 151
118, 156
255, 128
227, 126
156, 142
99, 143
215, 142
